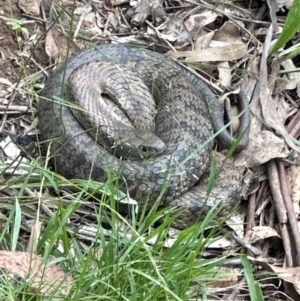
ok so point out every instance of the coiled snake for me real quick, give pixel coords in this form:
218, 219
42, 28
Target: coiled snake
187, 115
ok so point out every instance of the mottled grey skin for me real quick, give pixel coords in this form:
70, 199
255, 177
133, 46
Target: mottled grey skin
188, 113
117, 108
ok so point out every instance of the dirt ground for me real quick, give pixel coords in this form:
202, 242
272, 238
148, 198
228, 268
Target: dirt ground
20, 64
9, 68
25, 63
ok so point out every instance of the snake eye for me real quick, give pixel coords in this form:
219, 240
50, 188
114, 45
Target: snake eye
144, 149
147, 151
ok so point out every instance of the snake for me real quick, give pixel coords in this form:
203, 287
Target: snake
117, 109
187, 116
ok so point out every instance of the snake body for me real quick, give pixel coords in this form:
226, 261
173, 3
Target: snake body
187, 115
117, 109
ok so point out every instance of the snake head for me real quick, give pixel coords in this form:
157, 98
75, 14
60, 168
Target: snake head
142, 145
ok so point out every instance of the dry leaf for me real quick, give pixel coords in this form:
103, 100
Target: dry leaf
271, 115
83, 9
293, 78
51, 45
290, 80
250, 184
10, 149
196, 22
89, 21
5, 81
57, 46
259, 233
46, 279
252, 68
236, 223
176, 31
261, 31
117, 2
228, 33
256, 125
262, 147
30, 7
203, 41
293, 181
288, 274
224, 73
286, 3
225, 277
113, 19
145, 8
221, 54
268, 105
285, 109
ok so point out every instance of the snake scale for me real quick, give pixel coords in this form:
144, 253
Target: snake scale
187, 116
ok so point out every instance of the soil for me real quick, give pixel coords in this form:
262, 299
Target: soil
25, 63
22, 60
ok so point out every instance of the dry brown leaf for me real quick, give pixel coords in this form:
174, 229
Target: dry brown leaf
221, 54
258, 233
262, 147
196, 22
83, 9
271, 115
117, 2
225, 277
252, 68
145, 8
288, 274
285, 109
89, 21
290, 80
46, 279
113, 3
236, 223
268, 105
57, 46
256, 125
30, 7
203, 41
5, 81
29, 128
113, 19
250, 184
228, 33
293, 181
224, 73
176, 31
286, 3
51, 43
68, 3
11, 150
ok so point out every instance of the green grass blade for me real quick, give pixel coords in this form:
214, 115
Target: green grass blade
291, 26
17, 225
254, 288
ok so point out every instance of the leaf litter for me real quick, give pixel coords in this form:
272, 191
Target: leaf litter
228, 44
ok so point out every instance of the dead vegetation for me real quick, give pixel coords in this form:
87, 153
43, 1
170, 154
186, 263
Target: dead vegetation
228, 44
